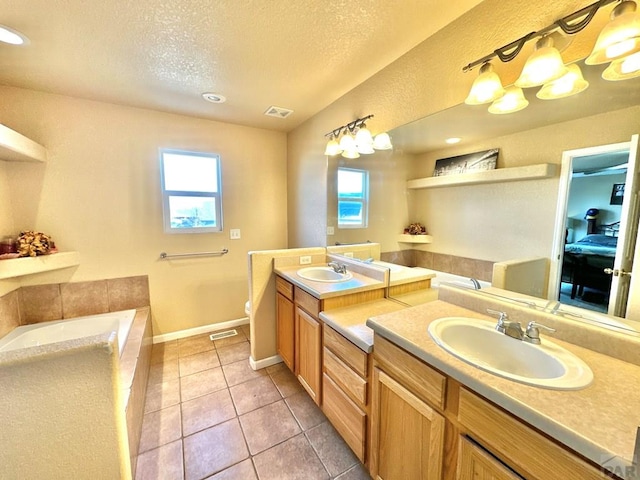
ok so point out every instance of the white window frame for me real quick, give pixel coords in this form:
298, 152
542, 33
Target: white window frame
364, 201
166, 194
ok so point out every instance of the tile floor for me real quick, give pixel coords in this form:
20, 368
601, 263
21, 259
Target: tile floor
208, 415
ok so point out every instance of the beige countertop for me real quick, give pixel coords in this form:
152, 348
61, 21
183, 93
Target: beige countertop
350, 321
599, 422
321, 290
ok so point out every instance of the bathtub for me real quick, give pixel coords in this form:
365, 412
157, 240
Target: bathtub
457, 280
45, 333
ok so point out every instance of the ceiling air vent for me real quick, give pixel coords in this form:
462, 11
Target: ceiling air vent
278, 112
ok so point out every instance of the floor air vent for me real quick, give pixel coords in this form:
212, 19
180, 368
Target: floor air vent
225, 334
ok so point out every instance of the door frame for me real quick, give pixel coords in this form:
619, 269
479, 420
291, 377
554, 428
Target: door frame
566, 172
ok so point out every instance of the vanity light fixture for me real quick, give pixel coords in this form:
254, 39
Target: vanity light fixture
355, 139
619, 40
486, 88
12, 37
628, 67
512, 101
569, 84
620, 37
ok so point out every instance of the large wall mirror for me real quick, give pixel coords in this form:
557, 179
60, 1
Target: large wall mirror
499, 221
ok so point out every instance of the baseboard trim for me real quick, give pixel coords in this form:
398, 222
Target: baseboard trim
265, 362
213, 327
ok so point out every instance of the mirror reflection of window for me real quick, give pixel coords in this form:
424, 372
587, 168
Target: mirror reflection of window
353, 197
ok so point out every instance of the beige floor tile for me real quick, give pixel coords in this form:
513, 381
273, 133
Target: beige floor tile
239, 372
163, 462
163, 371
273, 369
246, 329
268, 426
196, 344
334, 453
160, 427
198, 362
254, 394
304, 409
161, 352
201, 383
225, 342
291, 460
286, 382
355, 473
213, 450
162, 395
234, 353
241, 471
207, 411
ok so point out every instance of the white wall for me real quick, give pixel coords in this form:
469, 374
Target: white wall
99, 194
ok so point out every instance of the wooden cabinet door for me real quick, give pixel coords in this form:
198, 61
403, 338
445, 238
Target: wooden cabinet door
475, 463
407, 434
309, 353
286, 332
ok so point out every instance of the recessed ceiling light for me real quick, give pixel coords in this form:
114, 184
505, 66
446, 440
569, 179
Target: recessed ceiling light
452, 140
214, 97
8, 35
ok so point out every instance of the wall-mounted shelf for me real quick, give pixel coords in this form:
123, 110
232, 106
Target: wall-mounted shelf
513, 174
18, 267
15, 147
414, 238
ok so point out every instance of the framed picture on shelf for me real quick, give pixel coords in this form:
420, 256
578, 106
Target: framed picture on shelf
470, 162
617, 194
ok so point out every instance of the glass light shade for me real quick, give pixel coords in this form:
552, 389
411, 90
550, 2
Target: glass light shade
544, 65
512, 101
570, 84
333, 148
382, 142
347, 142
364, 141
628, 67
351, 152
486, 88
620, 37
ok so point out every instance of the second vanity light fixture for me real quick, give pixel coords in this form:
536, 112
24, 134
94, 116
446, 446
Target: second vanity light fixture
354, 139
618, 43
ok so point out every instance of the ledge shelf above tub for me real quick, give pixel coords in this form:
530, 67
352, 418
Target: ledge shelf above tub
18, 267
414, 238
512, 174
15, 147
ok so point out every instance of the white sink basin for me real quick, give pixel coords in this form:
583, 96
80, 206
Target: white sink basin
323, 274
479, 344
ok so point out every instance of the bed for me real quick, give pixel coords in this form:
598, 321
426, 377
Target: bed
585, 261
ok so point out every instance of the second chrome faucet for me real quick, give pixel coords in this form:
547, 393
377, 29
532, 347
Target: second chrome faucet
514, 329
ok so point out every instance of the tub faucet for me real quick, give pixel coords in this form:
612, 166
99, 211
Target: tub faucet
476, 284
337, 267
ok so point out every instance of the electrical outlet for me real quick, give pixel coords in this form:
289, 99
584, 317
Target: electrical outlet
234, 234
305, 260
330, 231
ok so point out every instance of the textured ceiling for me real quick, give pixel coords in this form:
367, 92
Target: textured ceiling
301, 55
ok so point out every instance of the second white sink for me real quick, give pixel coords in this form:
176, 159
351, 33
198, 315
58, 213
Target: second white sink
323, 274
479, 344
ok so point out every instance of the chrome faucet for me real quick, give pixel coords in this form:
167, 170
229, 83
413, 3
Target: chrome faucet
511, 329
532, 335
337, 267
476, 284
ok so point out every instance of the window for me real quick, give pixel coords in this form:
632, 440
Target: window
191, 197
353, 195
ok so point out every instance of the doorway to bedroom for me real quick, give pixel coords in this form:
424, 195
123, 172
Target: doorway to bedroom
597, 238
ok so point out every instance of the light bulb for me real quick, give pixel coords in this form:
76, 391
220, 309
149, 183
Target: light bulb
620, 37
569, 84
543, 65
512, 101
486, 88
364, 141
382, 142
628, 67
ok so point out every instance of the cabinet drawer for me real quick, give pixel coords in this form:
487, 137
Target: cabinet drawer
310, 303
420, 378
347, 351
346, 417
475, 462
284, 287
347, 379
505, 436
